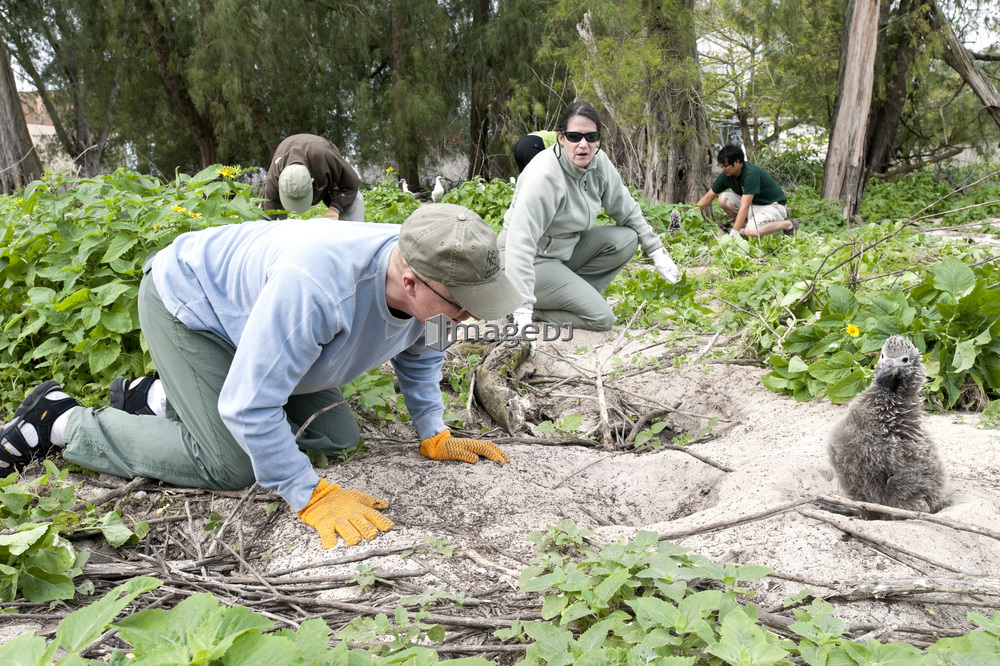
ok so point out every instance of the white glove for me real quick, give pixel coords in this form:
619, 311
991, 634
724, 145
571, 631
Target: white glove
522, 318
734, 233
664, 264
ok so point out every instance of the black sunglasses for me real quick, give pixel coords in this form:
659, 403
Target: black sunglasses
459, 309
575, 137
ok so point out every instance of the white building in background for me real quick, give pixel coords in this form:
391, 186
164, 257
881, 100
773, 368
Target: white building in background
43, 133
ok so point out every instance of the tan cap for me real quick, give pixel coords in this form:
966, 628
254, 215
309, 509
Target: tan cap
295, 188
452, 245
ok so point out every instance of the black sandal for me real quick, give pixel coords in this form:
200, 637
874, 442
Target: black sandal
39, 412
132, 400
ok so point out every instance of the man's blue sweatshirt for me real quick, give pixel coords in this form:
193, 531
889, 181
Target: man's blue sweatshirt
302, 302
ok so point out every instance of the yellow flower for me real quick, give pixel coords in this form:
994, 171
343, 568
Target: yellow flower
194, 214
853, 330
389, 170
178, 209
227, 171
19, 201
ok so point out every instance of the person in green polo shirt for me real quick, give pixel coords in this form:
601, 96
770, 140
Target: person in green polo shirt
754, 203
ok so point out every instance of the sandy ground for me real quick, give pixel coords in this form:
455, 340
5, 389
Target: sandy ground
773, 447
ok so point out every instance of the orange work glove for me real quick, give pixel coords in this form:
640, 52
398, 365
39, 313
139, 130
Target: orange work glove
445, 447
333, 510
332, 213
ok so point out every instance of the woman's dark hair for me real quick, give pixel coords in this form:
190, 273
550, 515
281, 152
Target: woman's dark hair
578, 109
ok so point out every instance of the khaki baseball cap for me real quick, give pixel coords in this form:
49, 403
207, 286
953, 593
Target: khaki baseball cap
452, 245
295, 188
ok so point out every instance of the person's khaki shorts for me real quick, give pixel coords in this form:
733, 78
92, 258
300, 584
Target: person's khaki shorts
758, 215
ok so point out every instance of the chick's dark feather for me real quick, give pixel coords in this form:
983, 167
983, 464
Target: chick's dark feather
879, 449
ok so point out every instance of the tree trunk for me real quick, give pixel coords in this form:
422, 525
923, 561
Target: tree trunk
961, 60
200, 125
19, 162
886, 111
479, 118
404, 134
843, 174
684, 117
670, 153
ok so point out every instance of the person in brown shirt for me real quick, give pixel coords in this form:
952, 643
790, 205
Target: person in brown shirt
307, 169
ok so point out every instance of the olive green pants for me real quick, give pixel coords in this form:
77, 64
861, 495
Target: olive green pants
572, 291
191, 447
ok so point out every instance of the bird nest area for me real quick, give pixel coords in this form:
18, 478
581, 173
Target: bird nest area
734, 474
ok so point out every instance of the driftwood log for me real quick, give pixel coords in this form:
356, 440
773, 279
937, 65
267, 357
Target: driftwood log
493, 386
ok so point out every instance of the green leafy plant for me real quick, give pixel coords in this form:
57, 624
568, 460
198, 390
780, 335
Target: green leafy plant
564, 539
647, 437
70, 266
386, 202
951, 318
565, 426
395, 636
990, 418
440, 546
36, 560
366, 577
632, 601
490, 200
375, 392
437, 596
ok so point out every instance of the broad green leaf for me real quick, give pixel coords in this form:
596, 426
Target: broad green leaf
553, 605
15, 500
743, 641
39, 586
57, 556
119, 245
965, 356
73, 300
9, 577
118, 318
83, 626
608, 587
953, 276
112, 292
50, 348
833, 369
698, 604
197, 626
551, 641
594, 637
775, 383
103, 356
651, 612
26, 650
841, 302
848, 387
797, 365
114, 529
41, 296
897, 654
260, 650
747, 572
572, 421
24, 538
821, 628
574, 612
